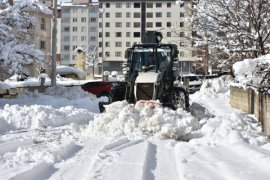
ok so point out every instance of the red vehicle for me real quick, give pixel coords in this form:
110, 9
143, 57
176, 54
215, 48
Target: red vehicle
99, 88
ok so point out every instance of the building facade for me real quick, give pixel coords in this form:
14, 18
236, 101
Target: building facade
79, 28
124, 22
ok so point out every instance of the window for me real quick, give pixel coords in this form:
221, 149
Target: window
74, 10
83, 29
149, 5
194, 33
128, 14
107, 15
93, 29
169, 34
158, 14
169, 24
107, 54
100, 5
43, 24
181, 44
149, 24
118, 15
107, 5
181, 4
182, 24
74, 38
118, 44
158, 5
83, 19
127, 34
127, 44
93, 38
127, 24
181, 54
42, 45
107, 34
107, 24
137, 5
169, 5
158, 24
118, 54
118, 24
128, 5
107, 44
66, 29
74, 19
66, 10
93, 19
182, 14
66, 38
83, 38
182, 34
74, 47
169, 14
74, 29
137, 24
137, 15
100, 34
118, 5
100, 25
118, 34
149, 15
136, 34
66, 48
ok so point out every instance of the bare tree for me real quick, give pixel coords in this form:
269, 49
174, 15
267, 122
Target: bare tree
238, 28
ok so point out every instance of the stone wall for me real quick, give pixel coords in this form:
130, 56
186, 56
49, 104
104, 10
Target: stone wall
253, 102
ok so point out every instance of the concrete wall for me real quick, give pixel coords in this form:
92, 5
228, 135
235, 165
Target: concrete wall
253, 102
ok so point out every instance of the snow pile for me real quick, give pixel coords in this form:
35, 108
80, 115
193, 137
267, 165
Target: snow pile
74, 92
38, 116
58, 106
217, 85
144, 119
247, 71
232, 129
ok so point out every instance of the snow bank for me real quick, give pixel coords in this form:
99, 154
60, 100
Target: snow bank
246, 70
217, 85
58, 106
144, 119
39, 116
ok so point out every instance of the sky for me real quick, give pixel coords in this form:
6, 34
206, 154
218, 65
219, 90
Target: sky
60, 134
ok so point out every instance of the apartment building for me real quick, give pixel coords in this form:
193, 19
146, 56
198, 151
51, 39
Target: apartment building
79, 28
124, 22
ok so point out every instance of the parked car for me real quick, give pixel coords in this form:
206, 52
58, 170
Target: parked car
195, 82
99, 88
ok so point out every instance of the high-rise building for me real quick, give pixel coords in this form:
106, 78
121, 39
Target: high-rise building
124, 22
79, 28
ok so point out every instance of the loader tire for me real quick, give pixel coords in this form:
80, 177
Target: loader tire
178, 98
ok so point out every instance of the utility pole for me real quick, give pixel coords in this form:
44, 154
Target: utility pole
53, 72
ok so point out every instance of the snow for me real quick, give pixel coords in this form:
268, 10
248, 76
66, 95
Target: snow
246, 71
44, 135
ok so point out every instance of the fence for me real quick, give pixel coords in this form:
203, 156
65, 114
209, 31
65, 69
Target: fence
251, 101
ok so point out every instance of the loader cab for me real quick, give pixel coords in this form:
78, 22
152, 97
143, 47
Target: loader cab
149, 57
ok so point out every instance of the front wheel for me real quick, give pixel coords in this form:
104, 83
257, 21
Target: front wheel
177, 98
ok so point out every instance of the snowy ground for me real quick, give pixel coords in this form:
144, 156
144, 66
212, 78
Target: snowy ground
61, 135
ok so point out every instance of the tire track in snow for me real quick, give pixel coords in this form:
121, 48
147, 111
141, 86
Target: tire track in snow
150, 162
106, 156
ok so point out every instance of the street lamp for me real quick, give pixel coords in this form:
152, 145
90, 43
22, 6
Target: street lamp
53, 72
102, 35
102, 39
